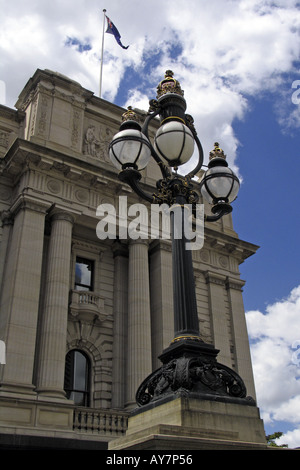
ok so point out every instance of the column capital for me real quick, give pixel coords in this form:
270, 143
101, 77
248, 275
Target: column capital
138, 241
26, 202
232, 283
63, 216
62, 213
159, 244
119, 249
7, 218
215, 278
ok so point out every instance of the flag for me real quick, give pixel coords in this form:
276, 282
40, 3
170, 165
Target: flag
111, 29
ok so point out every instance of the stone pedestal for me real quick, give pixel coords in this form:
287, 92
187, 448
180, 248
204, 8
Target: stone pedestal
191, 403
193, 424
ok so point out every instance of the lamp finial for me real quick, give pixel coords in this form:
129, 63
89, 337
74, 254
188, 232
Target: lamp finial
169, 85
129, 115
217, 152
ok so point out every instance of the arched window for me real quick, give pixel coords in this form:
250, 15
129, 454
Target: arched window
77, 377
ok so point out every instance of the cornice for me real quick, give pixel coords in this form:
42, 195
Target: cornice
54, 79
228, 244
25, 152
12, 114
26, 202
84, 245
228, 282
233, 283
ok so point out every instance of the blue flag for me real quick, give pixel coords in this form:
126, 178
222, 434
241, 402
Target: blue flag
111, 29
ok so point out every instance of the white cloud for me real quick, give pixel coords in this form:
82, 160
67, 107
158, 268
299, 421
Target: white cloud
275, 339
291, 439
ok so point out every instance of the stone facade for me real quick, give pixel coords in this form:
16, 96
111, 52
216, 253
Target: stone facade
54, 173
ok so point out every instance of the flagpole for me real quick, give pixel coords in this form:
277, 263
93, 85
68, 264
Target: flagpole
101, 63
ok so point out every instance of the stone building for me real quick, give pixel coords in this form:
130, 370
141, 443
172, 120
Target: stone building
83, 320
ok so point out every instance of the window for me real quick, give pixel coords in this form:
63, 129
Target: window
84, 273
77, 377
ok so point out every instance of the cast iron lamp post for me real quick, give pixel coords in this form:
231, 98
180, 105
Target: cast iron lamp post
189, 365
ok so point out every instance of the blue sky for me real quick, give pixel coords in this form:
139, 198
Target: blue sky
237, 61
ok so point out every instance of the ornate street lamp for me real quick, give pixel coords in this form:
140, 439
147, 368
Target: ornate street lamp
189, 365
220, 185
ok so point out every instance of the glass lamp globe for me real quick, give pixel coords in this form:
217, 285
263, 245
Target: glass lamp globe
219, 184
174, 142
130, 148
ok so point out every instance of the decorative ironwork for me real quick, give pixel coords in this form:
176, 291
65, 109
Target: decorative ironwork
217, 152
169, 85
170, 188
129, 115
198, 375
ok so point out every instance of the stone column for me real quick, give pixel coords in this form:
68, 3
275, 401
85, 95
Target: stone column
7, 223
219, 316
240, 335
161, 294
139, 364
120, 324
50, 377
21, 292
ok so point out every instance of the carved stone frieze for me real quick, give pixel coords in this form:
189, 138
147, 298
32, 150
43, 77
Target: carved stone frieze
54, 186
223, 261
33, 116
75, 131
43, 118
204, 256
4, 138
96, 141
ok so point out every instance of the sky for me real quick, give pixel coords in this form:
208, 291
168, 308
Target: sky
238, 62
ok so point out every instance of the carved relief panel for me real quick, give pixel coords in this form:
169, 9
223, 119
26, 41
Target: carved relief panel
96, 141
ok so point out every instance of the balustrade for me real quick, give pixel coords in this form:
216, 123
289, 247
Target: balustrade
104, 422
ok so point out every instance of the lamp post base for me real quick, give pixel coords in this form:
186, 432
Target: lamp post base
192, 403
190, 369
192, 424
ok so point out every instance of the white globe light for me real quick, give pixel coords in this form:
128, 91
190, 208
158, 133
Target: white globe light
174, 142
130, 148
220, 184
